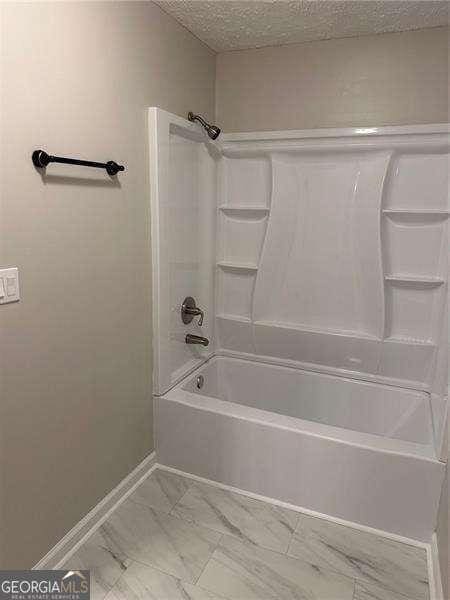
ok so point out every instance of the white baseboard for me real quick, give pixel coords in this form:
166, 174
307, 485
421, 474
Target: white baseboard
92, 521
436, 590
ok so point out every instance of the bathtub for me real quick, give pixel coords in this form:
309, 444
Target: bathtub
315, 441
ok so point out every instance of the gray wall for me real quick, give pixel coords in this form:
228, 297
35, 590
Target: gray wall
389, 79
75, 353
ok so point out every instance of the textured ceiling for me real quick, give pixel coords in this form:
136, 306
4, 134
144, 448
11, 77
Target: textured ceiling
234, 25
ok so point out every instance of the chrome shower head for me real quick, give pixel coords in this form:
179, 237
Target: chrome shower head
212, 130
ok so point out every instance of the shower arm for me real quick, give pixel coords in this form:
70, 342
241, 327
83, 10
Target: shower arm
192, 118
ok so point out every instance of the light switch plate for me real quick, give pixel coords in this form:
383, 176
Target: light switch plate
9, 285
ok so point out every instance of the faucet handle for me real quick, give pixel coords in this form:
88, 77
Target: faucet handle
189, 310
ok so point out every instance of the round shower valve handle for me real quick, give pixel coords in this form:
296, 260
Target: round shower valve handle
189, 310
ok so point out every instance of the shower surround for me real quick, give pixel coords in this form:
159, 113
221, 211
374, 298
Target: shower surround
319, 258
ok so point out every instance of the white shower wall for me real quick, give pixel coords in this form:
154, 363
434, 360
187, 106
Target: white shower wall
183, 188
343, 258
328, 247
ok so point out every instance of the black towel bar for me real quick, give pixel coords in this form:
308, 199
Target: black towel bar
41, 159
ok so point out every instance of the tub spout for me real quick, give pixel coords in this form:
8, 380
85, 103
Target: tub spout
196, 339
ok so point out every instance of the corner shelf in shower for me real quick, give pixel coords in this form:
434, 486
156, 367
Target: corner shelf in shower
413, 281
329, 331
237, 266
427, 214
245, 210
410, 341
236, 318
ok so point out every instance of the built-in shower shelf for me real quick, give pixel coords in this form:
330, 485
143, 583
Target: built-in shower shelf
244, 210
304, 328
417, 213
410, 341
415, 281
237, 318
238, 266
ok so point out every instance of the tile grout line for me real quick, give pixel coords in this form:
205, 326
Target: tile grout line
118, 579
159, 570
189, 487
177, 577
291, 539
298, 527
383, 589
289, 546
209, 559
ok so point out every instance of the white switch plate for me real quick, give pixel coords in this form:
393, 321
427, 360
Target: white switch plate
9, 285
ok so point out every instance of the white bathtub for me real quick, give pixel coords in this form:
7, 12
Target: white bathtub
313, 440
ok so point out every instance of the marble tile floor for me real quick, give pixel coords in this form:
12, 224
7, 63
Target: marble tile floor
178, 539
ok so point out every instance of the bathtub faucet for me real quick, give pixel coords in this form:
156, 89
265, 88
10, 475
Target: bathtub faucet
196, 339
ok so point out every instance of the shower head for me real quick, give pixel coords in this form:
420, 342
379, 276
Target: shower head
212, 130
